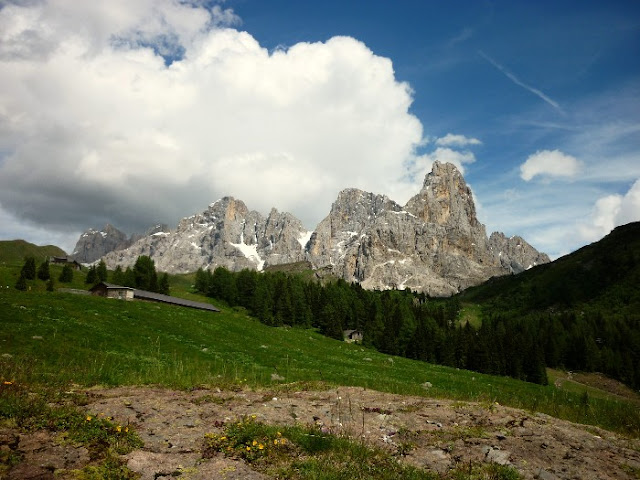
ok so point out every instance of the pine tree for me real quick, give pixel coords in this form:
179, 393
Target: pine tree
43, 271
118, 276
92, 275
21, 284
203, 279
129, 278
263, 301
163, 286
145, 274
29, 268
101, 271
66, 276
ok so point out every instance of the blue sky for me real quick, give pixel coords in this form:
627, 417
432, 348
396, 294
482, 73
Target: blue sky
141, 114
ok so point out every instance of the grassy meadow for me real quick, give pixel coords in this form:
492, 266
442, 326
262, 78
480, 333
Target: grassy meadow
54, 339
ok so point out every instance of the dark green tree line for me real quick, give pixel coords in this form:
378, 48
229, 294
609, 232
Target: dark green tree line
394, 322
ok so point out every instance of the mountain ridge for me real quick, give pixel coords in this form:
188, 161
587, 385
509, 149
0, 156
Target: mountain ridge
434, 243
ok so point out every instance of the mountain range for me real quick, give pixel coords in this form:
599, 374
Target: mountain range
433, 244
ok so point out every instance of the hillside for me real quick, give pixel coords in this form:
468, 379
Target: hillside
226, 365
582, 311
14, 251
604, 275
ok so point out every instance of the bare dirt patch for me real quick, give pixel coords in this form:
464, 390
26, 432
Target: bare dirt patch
604, 383
430, 433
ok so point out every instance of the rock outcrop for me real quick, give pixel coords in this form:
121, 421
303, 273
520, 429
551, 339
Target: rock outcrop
514, 253
226, 234
94, 244
433, 244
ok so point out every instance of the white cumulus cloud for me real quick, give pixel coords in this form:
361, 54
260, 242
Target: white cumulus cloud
612, 211
549, 163
147, 111
451, 139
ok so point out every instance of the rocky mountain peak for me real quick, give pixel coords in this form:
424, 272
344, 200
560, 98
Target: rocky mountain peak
94, 243
354, 207
433, 244
445, 198
514, 253
229, 208
226, 234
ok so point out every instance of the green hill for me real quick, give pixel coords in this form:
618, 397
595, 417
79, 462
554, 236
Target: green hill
14, 251
581, 311
54, 339
604, 275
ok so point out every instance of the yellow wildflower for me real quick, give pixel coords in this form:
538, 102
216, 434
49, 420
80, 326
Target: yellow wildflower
275, 442
126, 429
278, 434
254, 443
248, 448
89, 418
261, 447
283, 441
222, 439
118, 429
6, 382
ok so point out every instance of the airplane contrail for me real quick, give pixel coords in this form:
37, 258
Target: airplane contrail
517, 81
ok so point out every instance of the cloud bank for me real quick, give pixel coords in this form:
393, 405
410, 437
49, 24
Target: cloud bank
145, 112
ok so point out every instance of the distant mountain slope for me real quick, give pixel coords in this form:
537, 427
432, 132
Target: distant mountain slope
94, 244
227, 234
14, 251
605, 273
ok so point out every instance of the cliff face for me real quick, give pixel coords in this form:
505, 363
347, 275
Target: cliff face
433, 244
514, 253
94, 244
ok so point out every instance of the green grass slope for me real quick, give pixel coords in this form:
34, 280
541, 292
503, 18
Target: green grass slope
14, 251
54, 339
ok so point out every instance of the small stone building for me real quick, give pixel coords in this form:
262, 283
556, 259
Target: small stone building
110, 290
352, 336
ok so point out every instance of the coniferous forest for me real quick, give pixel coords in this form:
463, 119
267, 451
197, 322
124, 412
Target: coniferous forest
394, 322
579, 313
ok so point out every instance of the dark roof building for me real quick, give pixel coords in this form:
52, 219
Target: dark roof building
64, 260
111, 290
158, 297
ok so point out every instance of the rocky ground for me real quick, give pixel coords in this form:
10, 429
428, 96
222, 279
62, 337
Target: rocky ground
430, 433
